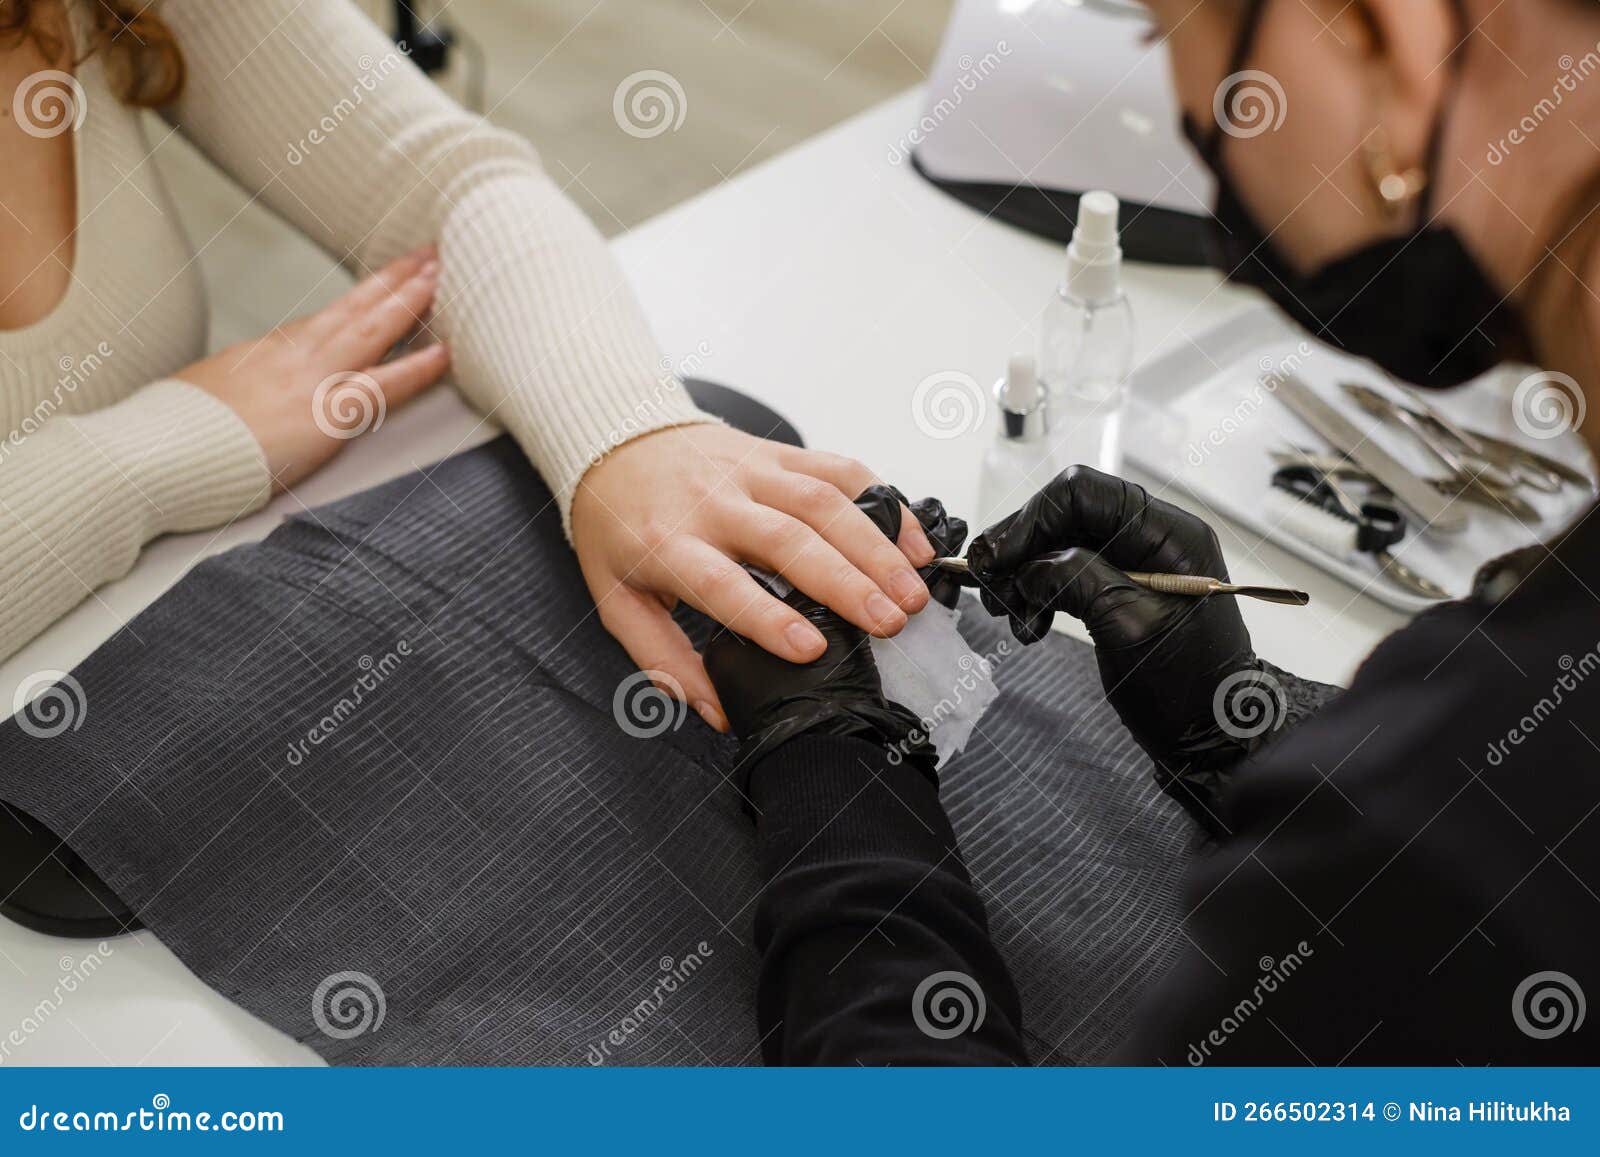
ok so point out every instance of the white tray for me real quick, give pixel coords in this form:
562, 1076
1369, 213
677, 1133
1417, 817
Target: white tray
1201, 420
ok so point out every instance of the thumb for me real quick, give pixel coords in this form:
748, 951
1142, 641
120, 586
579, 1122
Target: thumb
660, 648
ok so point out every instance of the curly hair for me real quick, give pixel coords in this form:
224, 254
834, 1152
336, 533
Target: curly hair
143, 62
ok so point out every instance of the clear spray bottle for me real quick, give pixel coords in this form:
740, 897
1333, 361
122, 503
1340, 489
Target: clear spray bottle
1087, 341
1022, 459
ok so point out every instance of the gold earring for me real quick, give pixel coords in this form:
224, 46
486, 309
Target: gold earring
1397, 188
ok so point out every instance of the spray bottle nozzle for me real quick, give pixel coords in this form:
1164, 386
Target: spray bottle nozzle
1094, 258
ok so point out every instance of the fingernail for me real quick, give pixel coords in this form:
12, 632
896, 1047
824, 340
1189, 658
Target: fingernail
904, 586
881, 611
709, 713
429, 269
805, 639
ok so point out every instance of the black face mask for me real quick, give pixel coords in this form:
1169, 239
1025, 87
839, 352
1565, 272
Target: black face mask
1419, 305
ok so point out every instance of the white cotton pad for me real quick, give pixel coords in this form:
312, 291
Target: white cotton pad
929, 669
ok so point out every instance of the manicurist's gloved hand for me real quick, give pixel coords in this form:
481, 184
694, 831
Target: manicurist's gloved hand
770, 700
883, 506
945, 533
1179, 671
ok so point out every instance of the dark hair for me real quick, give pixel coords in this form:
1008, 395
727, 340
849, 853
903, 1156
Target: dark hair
143, 62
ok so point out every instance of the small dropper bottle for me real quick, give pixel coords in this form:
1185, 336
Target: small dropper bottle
1021, 460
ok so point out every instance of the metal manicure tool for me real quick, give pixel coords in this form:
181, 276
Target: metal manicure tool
1528, 466
1472, 472
1373, 526
1435, 511
1195, 586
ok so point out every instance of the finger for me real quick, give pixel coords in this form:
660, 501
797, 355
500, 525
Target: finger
334, 316
913, 540
389, 276
887, 509
370, 332
1000, 597
851, 478
658, 646
882, 504
784, 545
945, 532
711, 582
851, 532
406, 377
1080, 507
1033, 626
1085, 586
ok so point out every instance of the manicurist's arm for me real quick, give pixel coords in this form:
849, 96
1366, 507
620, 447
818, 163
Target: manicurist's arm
1410, 868
1179, 671
1396, 866
875, 949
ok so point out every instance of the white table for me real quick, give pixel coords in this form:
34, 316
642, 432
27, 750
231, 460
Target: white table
828, 282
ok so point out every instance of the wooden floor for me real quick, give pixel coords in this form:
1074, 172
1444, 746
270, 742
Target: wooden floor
757, 77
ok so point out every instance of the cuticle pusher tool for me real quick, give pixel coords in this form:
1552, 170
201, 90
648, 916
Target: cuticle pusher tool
1192, 585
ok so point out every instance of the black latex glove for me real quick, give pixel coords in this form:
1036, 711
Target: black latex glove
769, 700
945, 533
1179, 671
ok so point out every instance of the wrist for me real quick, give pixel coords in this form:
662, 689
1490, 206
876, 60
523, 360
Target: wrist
1247, 708
192, 460
626, 460
886, 726
824, 798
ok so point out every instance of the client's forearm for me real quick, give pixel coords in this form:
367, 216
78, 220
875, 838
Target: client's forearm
866, 903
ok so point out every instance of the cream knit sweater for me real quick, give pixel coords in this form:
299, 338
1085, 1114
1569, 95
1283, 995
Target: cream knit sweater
316, 113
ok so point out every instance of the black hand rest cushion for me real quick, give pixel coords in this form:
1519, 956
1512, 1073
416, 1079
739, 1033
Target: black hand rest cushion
46, 887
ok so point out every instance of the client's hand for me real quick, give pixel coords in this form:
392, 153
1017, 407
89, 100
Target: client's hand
674, 514
770, 700
1173, 667
309, 386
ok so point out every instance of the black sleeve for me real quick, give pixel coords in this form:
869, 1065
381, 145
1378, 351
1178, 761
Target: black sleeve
1277, 704
1405, 885
875, 948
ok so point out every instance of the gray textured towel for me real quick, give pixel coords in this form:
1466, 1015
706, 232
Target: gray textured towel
367, 779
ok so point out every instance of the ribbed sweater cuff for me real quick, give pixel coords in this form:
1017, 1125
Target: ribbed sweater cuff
185, 460
610, 416
824, 798
543, 327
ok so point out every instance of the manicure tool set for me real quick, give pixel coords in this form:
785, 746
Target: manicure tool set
1401, 494
1480, 476
1357, 498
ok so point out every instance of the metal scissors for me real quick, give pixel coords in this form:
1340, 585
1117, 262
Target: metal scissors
1379, 525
